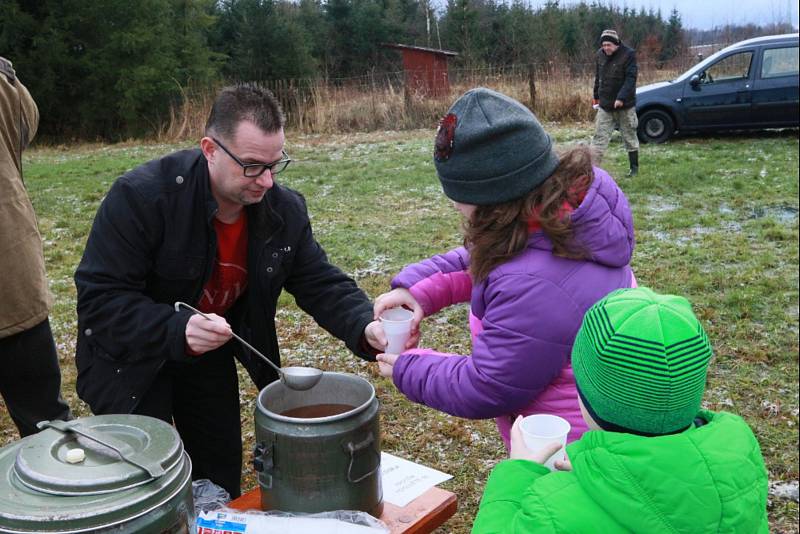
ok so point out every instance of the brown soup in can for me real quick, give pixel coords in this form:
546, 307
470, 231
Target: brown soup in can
317, 410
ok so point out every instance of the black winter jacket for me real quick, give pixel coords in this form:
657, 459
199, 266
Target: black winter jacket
615, 78
153, 243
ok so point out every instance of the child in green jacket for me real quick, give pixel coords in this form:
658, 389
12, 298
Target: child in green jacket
653, 461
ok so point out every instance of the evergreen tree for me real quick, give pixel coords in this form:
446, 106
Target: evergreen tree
673, 42
461, 32
193, 21
104, 69
264, 40
512, 42
569, 30
357, 29
414, 21
311, 16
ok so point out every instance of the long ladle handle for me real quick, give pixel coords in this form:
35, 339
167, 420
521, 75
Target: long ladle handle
180, 304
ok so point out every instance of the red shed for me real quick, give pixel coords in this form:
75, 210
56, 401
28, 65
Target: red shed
425, 69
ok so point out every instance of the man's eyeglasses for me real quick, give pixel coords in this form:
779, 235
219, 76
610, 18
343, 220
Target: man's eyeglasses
254, 170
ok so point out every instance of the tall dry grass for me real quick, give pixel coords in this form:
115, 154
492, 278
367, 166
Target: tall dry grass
187, 117
382, 102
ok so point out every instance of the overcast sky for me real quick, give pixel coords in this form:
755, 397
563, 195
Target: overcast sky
706, 14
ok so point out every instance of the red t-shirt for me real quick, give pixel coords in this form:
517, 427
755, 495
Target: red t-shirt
229, 275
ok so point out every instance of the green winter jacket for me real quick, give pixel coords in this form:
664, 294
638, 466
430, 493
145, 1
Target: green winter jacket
707, 479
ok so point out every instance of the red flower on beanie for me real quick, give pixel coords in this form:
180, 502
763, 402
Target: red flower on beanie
445, 137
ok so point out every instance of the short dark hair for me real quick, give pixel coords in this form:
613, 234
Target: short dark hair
244, 102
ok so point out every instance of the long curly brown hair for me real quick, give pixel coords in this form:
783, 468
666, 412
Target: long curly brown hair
496, 233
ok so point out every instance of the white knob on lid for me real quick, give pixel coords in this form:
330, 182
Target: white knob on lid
75, 456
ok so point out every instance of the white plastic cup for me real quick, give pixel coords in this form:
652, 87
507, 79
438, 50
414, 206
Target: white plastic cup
397, 327
542, 429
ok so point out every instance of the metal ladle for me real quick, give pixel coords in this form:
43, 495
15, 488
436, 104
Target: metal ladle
297, 378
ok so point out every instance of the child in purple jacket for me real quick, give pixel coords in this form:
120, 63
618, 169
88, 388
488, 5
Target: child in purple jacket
545, 238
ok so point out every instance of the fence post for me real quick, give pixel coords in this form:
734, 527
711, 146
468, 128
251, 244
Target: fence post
408, 100
532, 85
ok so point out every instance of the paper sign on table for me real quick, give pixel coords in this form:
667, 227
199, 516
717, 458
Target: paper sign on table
403, 481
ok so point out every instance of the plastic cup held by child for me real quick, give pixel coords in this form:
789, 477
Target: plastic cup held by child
542, 429
397, 327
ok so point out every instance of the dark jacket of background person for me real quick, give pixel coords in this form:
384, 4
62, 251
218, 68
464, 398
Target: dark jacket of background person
24, 296
615, 78
153, 243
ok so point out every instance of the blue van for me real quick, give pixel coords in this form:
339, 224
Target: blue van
752, 84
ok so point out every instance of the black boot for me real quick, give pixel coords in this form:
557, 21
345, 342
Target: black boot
633, 158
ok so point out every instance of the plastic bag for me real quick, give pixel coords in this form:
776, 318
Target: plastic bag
228, 521
208, 496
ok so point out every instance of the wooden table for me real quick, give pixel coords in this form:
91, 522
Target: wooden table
422, 515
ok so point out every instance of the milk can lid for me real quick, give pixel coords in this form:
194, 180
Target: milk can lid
89, 466
121, 451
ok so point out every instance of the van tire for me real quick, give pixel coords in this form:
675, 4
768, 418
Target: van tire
655, 126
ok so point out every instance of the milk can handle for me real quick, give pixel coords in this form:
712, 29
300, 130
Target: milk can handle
353, 449
125, 451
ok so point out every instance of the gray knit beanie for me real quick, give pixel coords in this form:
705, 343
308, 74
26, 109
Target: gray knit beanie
491, 149
610, 36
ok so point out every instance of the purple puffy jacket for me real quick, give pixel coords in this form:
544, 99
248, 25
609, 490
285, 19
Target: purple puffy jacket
523, 318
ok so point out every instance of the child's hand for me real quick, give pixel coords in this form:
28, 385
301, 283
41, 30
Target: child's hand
386, 364
520, 451
563, 465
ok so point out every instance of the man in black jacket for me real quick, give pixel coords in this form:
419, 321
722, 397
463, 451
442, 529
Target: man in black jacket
615, 96
212, 228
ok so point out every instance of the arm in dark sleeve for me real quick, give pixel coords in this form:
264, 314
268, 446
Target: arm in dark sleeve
114, 313
596, 93
628, 89
330, 296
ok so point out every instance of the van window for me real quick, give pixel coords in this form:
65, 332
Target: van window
780, 62
733, 67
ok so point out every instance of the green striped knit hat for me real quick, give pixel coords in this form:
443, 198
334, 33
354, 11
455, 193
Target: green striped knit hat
640, 362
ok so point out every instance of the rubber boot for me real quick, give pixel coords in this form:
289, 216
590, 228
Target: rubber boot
633, 158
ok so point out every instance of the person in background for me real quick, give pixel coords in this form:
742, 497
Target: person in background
615, 97
30, 379
545, 238
210, 227
653, 461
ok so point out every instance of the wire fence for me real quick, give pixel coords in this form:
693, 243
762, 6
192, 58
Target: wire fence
390, 100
